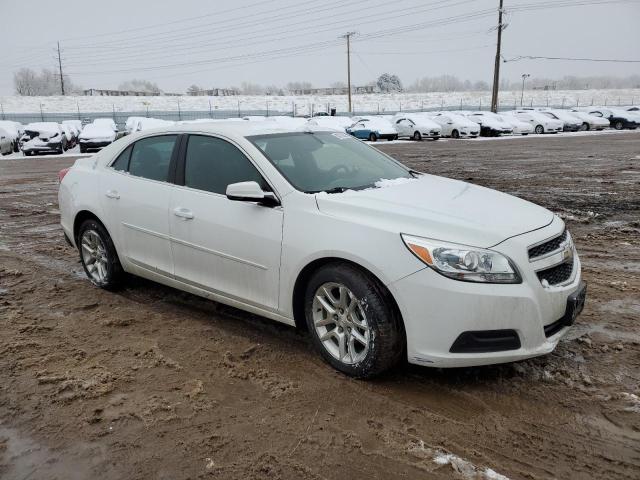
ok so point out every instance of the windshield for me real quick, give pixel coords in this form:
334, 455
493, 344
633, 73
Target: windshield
323, 161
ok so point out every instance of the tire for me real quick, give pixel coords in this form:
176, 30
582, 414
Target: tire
16, 147
60, 149
96, 249
372, 137
26, 154
381, 338
83, 149
618, 125
539, 129
585, 127
455, 134
417, 136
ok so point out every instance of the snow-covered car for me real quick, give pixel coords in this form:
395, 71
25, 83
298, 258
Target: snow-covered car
131, 124
288, 122
106, 122
590, 122
339, 124
618, 119
379, 261
570, 122
6, 142
75, 124
519, 127
456, 126
373, 129
491, 125
416, 127
69, 134
95, 136
43, 137
15, 131
540, 123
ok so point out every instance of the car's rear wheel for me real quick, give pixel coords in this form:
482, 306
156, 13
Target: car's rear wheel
98, 255
455, 133
539, 129
584, 127
372, 137
417, 136
352, 321
618, 125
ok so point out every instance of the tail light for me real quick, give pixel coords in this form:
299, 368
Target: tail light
62, 173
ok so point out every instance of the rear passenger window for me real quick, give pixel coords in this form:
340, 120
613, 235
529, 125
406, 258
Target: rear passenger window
212, 163
151, 156
122, 162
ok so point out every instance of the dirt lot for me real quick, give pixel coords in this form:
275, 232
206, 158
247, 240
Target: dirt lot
154, 383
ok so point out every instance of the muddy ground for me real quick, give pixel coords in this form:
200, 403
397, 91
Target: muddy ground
150, 382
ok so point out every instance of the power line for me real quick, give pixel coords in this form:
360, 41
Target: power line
572, 59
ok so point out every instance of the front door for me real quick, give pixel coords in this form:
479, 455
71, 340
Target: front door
224, 246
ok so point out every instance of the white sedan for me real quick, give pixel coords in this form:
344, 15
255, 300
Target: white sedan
456, 126
591, 122
95, 136
519, 127
540, 123
318, 228
416, 127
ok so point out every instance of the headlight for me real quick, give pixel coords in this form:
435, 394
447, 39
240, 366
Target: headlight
461, 262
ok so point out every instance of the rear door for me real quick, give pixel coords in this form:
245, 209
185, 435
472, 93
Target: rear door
135, 193
227, 247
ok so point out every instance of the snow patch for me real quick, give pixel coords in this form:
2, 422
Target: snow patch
384, 182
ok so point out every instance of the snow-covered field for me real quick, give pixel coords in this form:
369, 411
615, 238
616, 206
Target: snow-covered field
307, 104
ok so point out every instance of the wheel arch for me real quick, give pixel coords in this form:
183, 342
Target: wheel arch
307, 271
80, 218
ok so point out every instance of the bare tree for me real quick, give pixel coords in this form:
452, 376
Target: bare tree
27, 82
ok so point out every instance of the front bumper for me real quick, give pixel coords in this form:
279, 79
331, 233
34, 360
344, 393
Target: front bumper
48, 148
436, 310
94, 144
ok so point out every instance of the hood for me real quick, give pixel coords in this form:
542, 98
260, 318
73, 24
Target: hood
439, 208
96, 131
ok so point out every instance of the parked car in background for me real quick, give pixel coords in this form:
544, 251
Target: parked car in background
380, 262
76, 124
6, 142
69, 134
131, 125
570, 122
96, 136
540, 123
590, 122
618, 119
455, 126
373, 129
106, 122
43, 137
416, 127
339, 124
490, 124
519, 127
15, 131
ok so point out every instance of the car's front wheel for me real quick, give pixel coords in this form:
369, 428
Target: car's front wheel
417, 136
352, 321
98, 255
585, 127
618, 125
455, 133
539, 129
372, 137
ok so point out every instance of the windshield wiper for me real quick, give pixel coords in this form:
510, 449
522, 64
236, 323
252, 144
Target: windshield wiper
330, 190
415, 173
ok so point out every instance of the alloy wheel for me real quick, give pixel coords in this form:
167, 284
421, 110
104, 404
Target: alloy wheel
94, 255
341, 323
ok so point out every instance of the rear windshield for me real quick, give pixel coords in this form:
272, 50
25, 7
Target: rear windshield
324, 161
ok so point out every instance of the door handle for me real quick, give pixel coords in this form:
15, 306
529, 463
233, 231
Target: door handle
184, 213
112, 194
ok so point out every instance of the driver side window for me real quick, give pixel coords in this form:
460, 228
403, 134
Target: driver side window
211, 164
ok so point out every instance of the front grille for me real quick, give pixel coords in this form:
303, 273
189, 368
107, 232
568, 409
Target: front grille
556, 274
547, 247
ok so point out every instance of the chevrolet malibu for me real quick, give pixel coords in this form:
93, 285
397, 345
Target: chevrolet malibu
315, 228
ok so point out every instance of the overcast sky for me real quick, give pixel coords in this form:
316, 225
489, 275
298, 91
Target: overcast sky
217, 44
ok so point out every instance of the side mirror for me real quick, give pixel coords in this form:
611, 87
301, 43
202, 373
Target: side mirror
251, 192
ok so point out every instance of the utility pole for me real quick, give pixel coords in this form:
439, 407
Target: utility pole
496, 69
348, 36
60, 67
